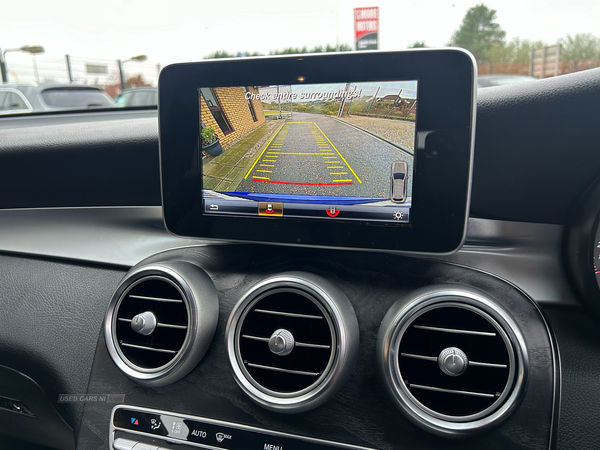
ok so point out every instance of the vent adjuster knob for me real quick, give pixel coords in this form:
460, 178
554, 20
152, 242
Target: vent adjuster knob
281, 342
144, 323
453, 361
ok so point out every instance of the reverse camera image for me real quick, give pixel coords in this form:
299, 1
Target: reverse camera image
343, 150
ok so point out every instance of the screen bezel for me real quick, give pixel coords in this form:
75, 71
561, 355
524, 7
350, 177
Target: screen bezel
443, 150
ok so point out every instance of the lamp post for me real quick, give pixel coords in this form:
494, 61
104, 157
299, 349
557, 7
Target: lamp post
139, 58
31, 49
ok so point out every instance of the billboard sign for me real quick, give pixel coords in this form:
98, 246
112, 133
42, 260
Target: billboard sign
366, 28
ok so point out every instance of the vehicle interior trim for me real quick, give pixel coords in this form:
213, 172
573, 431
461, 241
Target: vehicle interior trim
527, 255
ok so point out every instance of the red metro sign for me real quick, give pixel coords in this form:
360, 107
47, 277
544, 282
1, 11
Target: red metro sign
366, 28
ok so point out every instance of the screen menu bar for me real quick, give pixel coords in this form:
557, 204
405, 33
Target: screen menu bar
363, 212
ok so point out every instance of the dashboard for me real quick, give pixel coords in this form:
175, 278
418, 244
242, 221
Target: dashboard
257, 345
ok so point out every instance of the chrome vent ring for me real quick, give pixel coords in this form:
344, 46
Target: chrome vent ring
161, 321
292, 340
454, 361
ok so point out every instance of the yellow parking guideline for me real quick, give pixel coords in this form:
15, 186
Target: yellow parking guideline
261, 153
343, 159
340, 181
335, 173
261, 178
267, 165
335, 167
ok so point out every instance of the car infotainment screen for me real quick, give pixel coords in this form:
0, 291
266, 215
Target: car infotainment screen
364, 150
332, 151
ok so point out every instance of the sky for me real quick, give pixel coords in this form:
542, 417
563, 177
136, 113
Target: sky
179, 31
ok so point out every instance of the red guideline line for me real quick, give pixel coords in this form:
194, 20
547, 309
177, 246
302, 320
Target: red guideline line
301, 184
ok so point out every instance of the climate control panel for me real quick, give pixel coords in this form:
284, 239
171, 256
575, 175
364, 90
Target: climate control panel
134, 428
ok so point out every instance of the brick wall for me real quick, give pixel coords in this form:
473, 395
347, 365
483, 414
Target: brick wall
237, 112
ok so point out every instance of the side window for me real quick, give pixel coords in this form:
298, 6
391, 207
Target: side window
215, 108
11, 101
15, 101
122, 99
139, 98
153, 98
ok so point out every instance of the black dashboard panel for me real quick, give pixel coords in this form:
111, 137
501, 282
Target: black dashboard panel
51, 315
536, 148
362, 413
72, 162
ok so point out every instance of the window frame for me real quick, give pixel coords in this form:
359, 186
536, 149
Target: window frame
218, 109
28, 107
250, 105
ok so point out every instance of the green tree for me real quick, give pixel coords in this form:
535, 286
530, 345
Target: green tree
343, 48
315, 49
521, 49
479, 32
516, 51
219, 54
581, 47
417, 44
285, 51
290, 51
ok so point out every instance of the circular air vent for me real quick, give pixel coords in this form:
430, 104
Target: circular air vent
161, 321
291, 341
454, 361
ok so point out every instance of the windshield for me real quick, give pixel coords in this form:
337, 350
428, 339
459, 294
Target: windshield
122, 50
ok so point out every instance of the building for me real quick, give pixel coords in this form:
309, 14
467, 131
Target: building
389, 98
228, 113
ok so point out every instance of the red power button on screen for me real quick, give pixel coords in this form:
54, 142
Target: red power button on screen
332, 211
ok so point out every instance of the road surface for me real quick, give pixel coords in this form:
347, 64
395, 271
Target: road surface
312, 154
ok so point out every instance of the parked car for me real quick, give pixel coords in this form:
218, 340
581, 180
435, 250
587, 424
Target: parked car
399, 170
502, 80
13, 101
141, 96
32, 97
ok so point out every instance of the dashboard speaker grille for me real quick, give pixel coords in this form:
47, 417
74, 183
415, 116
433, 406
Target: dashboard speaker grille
161, 297
300, 314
